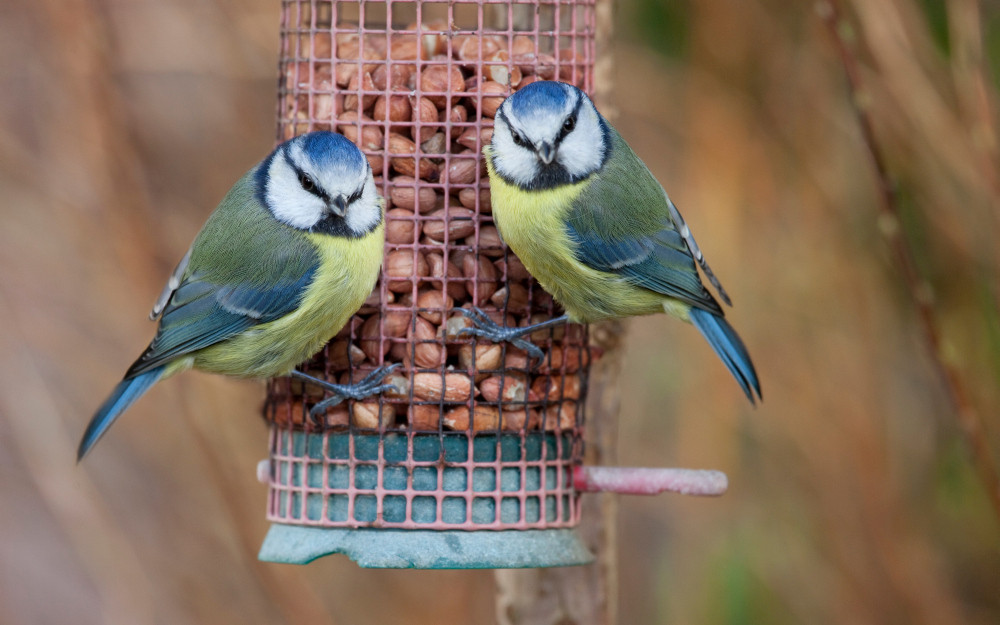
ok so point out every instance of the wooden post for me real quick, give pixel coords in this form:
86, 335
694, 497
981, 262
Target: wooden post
580, 595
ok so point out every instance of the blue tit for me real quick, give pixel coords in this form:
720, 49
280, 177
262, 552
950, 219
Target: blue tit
594, 227
287, 257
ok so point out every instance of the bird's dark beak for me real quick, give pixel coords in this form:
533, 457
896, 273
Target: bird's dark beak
546, 152
338, 205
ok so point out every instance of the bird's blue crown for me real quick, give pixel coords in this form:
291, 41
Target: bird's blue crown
329, 149
544, 95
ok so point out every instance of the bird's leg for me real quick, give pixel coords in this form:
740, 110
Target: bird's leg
370, 385
489, 329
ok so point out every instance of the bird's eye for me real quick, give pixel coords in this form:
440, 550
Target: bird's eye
569, 124
307, 182
518, 139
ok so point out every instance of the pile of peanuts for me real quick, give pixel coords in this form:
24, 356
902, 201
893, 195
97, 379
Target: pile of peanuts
422, 127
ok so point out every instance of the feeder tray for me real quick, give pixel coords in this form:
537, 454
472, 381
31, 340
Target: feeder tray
475, 459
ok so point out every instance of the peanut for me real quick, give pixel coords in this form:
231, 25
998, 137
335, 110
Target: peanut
396, 78
517, 420
463, 170
437, 268
496, 69
407, 48
401, 160
483, 418
490, 242
434, 82
400, 385
555, 389
451, 328
433, 305
425, 417
458, 114
460, 224
473, 47
403, 267
371, 135
394, 109
366, 414
365, 84
487, 357
468, 197
573, 357
450, 387
513, 389
512, 295
561, 416
427, 352
400, 226
403, 195
515, 268
371, 345
482, 277
493, 94
425, 117
471, 135
399, 116
342, 354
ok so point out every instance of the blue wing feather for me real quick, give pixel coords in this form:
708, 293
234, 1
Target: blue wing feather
608, 255
728, 346
659, 262
124, 395
201, 314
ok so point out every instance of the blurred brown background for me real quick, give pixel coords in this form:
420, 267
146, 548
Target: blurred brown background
853, 497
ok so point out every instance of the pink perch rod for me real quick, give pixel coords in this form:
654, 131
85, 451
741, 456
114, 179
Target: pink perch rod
648, 481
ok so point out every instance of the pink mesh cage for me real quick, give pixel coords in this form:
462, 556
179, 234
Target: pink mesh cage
472, 437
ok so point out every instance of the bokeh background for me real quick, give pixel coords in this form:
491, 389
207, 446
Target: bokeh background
854, 495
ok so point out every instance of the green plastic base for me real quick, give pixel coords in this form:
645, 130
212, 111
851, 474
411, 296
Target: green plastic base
426, 549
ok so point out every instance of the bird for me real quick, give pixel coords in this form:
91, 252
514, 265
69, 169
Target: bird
279, 267
593, 225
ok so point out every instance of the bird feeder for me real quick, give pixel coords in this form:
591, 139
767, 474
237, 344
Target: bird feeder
474, 459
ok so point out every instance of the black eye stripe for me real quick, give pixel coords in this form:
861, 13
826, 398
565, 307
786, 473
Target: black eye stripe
514, 134
307, 182
568, 125
570, 122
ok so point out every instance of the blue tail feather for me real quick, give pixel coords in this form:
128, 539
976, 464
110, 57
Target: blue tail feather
727, 344
124, 395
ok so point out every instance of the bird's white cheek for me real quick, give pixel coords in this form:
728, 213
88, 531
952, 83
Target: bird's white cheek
579, 155
288, 201
297, 209
515, 162
363, 215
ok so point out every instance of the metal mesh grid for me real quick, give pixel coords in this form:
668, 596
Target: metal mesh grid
473, 437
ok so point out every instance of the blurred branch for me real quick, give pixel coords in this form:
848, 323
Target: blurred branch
971, 77
918, 287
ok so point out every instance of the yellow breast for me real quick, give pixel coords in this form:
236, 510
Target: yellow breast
347, 273
533, 224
